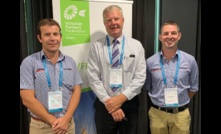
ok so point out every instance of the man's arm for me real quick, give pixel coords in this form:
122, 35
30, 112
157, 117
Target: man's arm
74, 101
191, 94
61, 124
29, 100
94, 73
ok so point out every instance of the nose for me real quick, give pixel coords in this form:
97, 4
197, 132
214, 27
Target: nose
112, 21
52, 38
169, 35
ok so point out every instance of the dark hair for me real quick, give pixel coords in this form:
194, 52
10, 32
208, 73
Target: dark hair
170, 22
47, 21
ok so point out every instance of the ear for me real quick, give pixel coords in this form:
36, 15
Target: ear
179, 35
39, 38
159, 37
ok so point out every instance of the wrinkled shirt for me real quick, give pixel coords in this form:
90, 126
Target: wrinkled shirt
33, 77
134, 68
187, 80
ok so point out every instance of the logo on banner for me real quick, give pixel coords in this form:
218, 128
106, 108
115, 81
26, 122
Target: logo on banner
75, 22
71, 11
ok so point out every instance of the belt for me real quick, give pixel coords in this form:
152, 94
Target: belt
171, 109
37, 119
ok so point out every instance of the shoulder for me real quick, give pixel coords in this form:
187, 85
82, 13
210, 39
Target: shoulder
31, 61
132, 40
187, 56
32, 58
65, 57
100, 40
133, 44
98, 43
154, 57
153, 61
68, 61
187, 59
68, 58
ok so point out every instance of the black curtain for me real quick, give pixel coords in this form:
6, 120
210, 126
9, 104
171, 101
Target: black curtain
143, 29
31, 11
196, 103
23, 53
23, 36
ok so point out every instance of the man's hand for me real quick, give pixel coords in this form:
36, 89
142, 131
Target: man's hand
118, 115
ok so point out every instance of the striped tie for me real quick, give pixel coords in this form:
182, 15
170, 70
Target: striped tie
115, 58
115, 54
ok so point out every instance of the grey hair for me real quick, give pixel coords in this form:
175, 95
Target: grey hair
111, 8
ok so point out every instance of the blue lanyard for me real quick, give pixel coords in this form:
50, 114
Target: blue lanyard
109, 50
177, 68
47, 74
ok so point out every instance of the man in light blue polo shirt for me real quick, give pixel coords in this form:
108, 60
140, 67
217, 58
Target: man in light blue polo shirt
172, 80
50, 84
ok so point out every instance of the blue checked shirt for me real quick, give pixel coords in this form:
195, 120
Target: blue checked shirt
33, 77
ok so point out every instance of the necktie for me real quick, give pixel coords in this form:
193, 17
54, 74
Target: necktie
115, 54
115, 58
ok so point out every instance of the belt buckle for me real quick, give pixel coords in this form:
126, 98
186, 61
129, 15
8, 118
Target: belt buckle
175, 110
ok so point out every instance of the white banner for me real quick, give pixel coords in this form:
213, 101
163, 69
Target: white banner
82, 24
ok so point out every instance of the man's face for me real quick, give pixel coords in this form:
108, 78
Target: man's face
114, 22
50, 38
169, 36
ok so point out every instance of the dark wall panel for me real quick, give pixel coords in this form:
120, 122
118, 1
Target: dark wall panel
187, 13
184, 12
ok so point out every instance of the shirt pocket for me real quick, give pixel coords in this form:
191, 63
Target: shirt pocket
129, 64
68, 78
184, 72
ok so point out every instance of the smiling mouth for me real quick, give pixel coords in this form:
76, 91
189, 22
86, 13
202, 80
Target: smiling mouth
170, 41
114, 27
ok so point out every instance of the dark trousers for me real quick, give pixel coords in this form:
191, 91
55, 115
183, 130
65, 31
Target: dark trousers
105, 123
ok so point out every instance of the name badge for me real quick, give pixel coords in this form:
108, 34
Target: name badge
55, 101
171, 97
116, 77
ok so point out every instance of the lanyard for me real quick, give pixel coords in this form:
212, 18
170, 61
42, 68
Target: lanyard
109, 50
47, 74
176, 73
